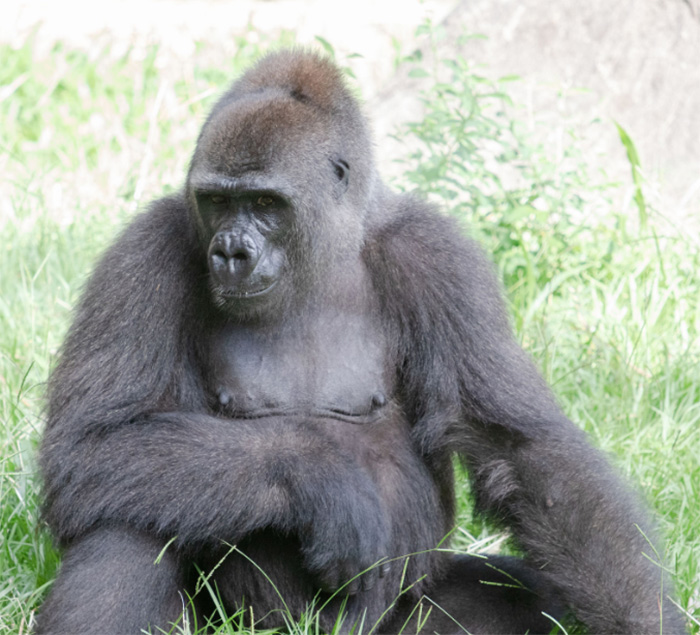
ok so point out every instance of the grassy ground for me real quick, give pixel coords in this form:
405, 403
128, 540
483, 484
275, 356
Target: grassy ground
606, 300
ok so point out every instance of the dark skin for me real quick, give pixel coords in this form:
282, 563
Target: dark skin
286, 356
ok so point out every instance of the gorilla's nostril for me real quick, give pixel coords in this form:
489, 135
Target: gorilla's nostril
240, 255
218, 257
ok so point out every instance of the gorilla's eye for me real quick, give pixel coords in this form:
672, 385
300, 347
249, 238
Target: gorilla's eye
218, 199
264, 201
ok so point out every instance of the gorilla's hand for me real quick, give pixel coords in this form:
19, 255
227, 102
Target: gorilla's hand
347, 535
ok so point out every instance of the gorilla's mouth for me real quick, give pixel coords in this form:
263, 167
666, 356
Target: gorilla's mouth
247, 294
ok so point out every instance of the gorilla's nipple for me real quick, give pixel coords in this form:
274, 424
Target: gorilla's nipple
224, 396
378, 401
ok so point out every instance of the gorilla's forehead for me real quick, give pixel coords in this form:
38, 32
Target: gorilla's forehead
261, 130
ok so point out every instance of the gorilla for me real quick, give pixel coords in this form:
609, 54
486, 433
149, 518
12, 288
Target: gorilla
266, 382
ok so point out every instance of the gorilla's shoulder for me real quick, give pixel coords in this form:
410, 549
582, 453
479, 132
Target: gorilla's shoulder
161, 235
156, 250
165, 219
414, 235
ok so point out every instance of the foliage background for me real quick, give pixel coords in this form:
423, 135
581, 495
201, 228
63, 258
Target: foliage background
605, 300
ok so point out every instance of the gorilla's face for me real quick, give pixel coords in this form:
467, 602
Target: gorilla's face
247, 232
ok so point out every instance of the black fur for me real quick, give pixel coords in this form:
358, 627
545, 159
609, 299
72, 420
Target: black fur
286, 356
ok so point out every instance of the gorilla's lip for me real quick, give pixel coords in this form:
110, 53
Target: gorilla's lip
250, 293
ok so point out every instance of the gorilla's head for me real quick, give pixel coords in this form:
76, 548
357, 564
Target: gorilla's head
280, 184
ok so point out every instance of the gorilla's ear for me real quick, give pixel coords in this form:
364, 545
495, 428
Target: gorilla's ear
342, 172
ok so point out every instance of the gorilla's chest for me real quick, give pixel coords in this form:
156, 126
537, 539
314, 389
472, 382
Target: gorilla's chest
333, 365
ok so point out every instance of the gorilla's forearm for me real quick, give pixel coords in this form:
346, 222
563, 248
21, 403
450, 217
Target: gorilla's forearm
574, 516
203, 478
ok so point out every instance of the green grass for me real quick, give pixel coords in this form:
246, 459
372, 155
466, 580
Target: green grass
606, 304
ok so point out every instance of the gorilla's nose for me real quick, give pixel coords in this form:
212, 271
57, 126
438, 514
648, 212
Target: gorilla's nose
232, 259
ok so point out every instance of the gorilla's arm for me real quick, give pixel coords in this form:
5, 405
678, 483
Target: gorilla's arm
205, 479
469, 386
128, 441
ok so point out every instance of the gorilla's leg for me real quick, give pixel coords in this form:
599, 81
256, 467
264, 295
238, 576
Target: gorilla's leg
478, 595
109, 583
